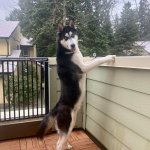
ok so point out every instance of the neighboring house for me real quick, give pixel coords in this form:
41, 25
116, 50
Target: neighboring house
145, 45
27, 47
9, 37
12, 39
13, 44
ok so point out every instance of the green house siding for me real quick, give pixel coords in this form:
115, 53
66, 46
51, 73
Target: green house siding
118, 107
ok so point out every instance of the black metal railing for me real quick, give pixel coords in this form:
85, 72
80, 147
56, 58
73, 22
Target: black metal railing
24, 88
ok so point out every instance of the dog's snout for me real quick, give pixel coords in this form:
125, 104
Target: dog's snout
72, 45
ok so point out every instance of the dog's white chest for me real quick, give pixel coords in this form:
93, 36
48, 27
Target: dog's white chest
82, 84
77, 59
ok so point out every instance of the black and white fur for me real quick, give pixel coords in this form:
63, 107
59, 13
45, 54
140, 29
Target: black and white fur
72, 73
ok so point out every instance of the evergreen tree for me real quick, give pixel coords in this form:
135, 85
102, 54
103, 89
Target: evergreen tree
127, 31
39, 20
116, 22
144, 19
97, 30
14, 15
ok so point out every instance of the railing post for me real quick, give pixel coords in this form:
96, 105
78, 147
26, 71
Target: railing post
46, 87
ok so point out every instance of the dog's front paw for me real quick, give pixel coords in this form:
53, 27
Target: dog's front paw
111, 58
68, 147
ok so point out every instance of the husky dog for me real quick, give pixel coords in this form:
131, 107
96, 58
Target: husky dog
72, 71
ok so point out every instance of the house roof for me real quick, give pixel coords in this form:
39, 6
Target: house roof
26, 42
145, 45
7, 28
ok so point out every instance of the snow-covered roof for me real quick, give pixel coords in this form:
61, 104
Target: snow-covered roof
26, 42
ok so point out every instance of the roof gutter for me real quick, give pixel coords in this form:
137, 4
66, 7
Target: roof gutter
4, 37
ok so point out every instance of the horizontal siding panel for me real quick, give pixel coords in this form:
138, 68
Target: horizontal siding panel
136, 122
103, 136
136, 101
123, 134
135, 79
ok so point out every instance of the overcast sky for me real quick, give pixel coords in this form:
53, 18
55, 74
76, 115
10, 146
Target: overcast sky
6, 6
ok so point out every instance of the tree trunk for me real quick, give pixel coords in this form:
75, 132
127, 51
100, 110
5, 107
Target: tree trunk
64, 12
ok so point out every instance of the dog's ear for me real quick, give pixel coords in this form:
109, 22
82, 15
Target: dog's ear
72, 24
60, 27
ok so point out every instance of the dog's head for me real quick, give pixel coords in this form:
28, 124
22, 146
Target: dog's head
67, 37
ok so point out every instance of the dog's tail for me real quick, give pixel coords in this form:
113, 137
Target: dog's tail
46, 123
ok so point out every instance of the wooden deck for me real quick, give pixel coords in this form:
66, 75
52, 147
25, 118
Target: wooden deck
78, 139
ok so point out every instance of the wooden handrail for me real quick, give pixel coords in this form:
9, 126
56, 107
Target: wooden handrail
135, 62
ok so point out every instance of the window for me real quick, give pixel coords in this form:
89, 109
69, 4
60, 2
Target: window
25, 51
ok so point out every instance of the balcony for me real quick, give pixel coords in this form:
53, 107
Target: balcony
115, 113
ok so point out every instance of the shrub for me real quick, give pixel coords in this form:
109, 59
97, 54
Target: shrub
22, 86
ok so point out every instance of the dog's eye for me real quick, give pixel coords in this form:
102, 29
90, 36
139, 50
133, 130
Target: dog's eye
66, 38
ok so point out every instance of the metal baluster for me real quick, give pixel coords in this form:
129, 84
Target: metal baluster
23, 90
3, 78
37, 95
46, 88
32, 87
28, 85
13, 70
18, 81
41, 87
8, 83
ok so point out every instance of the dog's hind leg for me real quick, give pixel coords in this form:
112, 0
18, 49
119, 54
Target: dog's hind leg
62, 142
72, 124
58, 142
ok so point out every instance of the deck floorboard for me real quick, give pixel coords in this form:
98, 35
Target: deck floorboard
78, 139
